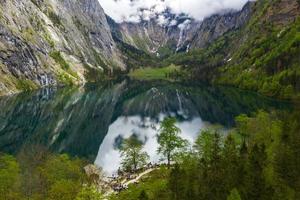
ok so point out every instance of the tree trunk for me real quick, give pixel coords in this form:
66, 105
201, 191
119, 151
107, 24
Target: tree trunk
169, 160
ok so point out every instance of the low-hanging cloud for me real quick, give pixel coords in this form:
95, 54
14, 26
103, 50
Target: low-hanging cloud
135, 10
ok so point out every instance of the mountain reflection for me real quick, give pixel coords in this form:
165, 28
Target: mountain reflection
77, 120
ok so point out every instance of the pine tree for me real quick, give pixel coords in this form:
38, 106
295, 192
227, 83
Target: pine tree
177, 183
255, 185
231, 163
234, 195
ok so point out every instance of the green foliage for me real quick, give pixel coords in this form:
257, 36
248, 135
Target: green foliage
132, 155
63, 189
261, 166
9, 177
89, 193
54, 18
25, 85
234, 195
166, 51
152, 187
143, 196
268, 61
262, 56
203, 144
37, 174
67, 77
93, 74
58, 168
56, 55
169, 140
134, 57
154, 73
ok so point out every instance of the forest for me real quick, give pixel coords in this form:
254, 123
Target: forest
258, 159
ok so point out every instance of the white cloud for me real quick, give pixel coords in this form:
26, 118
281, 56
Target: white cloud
134, 10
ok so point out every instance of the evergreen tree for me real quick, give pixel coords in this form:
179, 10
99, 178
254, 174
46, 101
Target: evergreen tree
216, 170
204, 146
177, 183
231, 163
255, 184
234, 195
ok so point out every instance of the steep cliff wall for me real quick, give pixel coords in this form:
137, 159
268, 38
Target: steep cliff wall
50, 42
180, 33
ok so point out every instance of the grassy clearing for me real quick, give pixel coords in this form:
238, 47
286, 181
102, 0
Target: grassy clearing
154, 73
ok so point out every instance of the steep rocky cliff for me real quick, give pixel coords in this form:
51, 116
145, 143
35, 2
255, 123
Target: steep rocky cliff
154, 37
179, 33
50, 42
217, 25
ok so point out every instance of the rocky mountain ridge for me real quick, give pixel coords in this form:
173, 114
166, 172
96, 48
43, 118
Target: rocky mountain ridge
179, 33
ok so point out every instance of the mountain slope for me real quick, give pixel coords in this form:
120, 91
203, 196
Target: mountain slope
268, 56
217, 25
263, 55
50, 42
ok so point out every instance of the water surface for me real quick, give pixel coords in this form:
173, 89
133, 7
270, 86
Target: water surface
92, 121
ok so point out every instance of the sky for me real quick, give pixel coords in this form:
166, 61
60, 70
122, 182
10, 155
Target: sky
135, 10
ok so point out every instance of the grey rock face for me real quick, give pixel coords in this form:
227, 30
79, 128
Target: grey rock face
93, 31
150, 36
33, 31
215, 26
185, 34
19, 55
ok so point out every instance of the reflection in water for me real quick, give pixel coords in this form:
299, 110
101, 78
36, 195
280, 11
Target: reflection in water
146, 130
91, 122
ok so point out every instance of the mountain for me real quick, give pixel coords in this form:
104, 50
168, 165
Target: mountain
217, 25
153, 37
178, 33
52, 42
263, 55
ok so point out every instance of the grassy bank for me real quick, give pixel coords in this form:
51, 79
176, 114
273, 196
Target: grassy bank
162, 73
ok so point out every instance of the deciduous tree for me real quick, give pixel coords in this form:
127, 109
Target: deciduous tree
132, 154
169, 140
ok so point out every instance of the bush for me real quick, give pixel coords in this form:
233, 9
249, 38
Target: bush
56, 55
54, 18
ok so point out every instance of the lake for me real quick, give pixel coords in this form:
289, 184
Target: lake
92, 121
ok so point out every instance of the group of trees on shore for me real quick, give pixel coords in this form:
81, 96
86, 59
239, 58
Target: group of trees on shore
168, 138
259, 159
37, 174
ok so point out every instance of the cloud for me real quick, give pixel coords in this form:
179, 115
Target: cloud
135, 10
